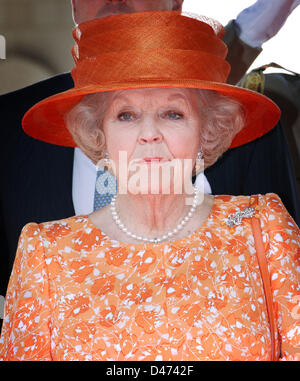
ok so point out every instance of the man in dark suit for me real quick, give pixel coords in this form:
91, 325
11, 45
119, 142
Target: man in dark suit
284, 89
38, 177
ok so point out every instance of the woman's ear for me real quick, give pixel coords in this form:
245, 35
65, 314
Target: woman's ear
177, 5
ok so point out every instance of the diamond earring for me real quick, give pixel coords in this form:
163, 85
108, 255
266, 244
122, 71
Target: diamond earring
198, 165
107, 164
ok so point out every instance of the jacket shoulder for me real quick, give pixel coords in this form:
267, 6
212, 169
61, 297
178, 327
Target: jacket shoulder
15, 104
45, 87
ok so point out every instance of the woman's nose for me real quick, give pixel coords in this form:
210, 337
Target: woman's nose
143, 139
150, 134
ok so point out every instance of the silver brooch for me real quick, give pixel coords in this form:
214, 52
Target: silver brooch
236, 218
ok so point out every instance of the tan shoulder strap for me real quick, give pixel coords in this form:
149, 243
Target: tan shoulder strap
260, 251
276, 66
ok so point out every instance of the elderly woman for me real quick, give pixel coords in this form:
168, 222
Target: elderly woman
158, 274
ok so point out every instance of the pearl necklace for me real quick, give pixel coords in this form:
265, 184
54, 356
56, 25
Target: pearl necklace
117, 220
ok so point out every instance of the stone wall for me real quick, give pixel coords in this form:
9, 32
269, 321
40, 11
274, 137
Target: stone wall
38, 37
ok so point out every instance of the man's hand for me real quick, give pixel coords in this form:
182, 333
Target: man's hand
263, 20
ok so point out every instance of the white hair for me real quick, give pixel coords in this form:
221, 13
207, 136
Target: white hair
221, 119
84, 122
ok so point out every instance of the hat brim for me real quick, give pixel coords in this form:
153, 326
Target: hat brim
45, 120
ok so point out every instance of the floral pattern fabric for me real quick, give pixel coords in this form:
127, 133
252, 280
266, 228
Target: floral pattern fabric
75, 294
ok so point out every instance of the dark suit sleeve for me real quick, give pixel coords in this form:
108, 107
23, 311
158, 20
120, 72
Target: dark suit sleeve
259, 167
240, 55
16, 158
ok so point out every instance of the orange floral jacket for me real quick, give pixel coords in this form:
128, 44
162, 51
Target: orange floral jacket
75, 294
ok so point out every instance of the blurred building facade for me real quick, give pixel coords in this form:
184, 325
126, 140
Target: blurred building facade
38, 40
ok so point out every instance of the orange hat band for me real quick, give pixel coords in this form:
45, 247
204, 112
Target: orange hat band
137, 65
141, 39
187, 52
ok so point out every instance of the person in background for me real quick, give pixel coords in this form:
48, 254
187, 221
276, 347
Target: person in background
253, 27
43, 182
283, 87
267, 159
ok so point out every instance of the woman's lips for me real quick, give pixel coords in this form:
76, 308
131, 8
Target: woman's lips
155, 159
150, 160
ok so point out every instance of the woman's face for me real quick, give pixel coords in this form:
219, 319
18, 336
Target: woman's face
153, 126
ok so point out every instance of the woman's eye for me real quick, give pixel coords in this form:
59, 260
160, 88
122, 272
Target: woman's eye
125, 116
174, 115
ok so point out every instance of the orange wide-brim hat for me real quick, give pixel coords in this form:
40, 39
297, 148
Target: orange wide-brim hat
148, 50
